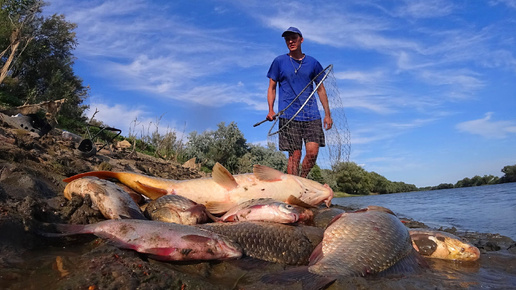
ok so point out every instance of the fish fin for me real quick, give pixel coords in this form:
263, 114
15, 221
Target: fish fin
299, 274
213, 217
63, 229
377, 208
231, 218
133, 213
160, 253
265, 173
151, 191
317, 254
99, 174
219, 207
296, 201
223, 177
410, 264
195, 238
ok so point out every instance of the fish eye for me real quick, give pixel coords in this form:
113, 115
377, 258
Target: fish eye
288, 206
462, 250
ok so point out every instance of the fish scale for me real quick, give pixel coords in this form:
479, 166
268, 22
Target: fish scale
273, 242
361, 243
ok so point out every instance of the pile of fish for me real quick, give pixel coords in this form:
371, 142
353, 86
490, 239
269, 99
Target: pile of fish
266, 215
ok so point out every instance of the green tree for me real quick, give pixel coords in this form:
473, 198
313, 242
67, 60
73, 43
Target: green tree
353, 179
44, 71
226, 145
316, 174
466, 182
258, 154
509, 174
19, 20
381, 184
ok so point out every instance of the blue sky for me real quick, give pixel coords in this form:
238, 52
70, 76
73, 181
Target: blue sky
428, 86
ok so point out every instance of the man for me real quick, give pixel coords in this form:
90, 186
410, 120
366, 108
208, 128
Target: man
293, 72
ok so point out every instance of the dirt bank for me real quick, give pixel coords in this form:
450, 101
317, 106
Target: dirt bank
31, 172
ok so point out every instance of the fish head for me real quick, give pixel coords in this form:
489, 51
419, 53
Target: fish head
196, 214
460, 250
314, 193
286, 213
226, 249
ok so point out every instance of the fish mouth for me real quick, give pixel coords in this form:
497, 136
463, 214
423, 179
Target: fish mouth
315, 193
231, 249
327, 201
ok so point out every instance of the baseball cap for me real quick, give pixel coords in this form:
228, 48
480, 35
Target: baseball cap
292, 29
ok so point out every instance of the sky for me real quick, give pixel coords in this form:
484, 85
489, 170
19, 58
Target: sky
428, 87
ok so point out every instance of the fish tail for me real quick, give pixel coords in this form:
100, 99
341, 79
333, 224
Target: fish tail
99, 174
61, 230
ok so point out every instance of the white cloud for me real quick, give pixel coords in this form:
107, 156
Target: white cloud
487, 128
134, 121
425, 8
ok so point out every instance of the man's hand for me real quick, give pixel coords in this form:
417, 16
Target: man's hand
328, 122
271, 116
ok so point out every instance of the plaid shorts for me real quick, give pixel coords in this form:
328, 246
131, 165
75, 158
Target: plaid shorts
291, 136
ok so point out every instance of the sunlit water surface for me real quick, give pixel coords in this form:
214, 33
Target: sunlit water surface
484, 209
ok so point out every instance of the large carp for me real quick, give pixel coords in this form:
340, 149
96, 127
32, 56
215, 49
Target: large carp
273, 242
364, 242
161, 240
224, 191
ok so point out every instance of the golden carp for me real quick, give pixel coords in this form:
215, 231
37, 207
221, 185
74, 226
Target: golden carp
176, 209
162, 241
443, 245
111, 200
367, 241
224, 191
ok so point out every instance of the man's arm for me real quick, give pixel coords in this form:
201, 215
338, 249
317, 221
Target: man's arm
328, 122
271, 97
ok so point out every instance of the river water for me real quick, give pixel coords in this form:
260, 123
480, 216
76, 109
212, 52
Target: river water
484, 209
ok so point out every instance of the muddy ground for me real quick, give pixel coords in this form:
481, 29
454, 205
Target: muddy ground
31, 172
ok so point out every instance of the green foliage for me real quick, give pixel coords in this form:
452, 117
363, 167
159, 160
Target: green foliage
43, 68
226, 145
353, 179
260, 155
509, 174
316, 174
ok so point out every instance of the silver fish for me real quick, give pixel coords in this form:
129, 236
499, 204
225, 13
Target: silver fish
367, 241
176, 209
273, 242
163, 241
263, 209
111, 200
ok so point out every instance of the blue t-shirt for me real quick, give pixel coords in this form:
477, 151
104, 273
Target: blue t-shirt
290, 84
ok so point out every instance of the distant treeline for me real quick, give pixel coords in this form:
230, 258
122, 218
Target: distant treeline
509, 176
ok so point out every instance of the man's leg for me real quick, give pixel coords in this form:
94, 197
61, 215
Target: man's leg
294, 157
312, 150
